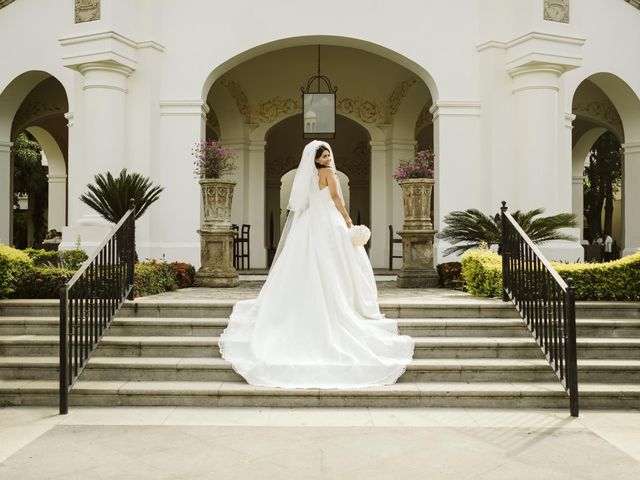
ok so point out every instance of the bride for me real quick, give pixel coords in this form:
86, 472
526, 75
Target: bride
316, 321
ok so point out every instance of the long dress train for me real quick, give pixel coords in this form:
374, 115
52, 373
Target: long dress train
316, 322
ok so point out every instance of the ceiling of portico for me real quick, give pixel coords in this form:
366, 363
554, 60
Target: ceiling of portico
593, 108
266, 89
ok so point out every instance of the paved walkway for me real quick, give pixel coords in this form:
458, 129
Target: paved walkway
387, 292
270, 443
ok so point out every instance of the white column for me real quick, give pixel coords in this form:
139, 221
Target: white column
6, 194
462, 180
631, 198
175, 218
380, 195
104, 95
254, 203
57, 202
577, 201
542, 179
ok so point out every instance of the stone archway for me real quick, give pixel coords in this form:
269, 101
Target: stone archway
35, 102
604, 102
353, 157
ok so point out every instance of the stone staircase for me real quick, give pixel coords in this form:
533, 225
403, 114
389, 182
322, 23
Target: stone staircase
470, 353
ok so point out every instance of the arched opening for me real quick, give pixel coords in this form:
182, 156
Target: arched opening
254, 107
604, 185
33, 107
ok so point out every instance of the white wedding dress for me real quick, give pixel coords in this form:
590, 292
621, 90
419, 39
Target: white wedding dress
316, 322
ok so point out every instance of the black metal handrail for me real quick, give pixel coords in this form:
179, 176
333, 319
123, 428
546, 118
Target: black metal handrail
544, 300
91, 298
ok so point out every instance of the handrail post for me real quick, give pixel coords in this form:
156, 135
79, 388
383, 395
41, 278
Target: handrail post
131, 243
63, 347
504, 251
572, 354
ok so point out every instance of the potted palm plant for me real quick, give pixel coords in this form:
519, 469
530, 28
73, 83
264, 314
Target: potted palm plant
212, 162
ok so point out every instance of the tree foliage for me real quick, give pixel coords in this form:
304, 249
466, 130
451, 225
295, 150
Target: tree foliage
470, 228
603, 177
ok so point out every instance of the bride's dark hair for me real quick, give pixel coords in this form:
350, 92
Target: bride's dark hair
319, 152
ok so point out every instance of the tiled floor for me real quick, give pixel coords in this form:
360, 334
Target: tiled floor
252, 443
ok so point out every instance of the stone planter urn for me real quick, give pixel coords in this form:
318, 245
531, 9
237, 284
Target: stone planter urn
216, 235
417, 235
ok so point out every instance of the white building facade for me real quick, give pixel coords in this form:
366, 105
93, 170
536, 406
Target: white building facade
510, 94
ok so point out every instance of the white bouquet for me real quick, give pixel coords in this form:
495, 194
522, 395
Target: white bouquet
360, 235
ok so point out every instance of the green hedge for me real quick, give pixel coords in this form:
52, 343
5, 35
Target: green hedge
151, 278
617, 280
68, 259
482, 272
14, 264
42, 282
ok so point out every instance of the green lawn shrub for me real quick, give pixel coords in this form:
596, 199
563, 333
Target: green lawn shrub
153, 277
14, 264
482, 272
450, 275
42, 282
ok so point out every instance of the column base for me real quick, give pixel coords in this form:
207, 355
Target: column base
427, 278
216, 257
417, 260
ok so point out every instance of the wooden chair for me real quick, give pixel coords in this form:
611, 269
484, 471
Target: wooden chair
391, 242
241, 248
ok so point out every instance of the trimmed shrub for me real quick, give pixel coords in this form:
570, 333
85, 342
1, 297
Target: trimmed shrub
14, 265
184, 274
68, 259
42, 282
482, 271
450, 274
617, 280
152, 277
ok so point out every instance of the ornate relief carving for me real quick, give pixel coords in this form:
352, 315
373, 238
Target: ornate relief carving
425, 117
217, 196
556, 10
634, 3
416, 193
395, 99
604, 111
34, 110
269, 110
87, 10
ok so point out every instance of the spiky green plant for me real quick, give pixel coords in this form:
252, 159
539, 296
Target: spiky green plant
110, 196
469, 228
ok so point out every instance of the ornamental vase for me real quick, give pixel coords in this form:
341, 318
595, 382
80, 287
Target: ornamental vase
416, 194
217, 196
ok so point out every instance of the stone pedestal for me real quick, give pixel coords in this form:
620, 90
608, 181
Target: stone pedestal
417, 235
417, 260
216, 254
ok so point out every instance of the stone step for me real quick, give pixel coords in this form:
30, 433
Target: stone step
237, 394
426, 347
414, 327
217, 369
410, 308
488, 327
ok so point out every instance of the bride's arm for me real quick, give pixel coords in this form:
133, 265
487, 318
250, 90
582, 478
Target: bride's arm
335, 196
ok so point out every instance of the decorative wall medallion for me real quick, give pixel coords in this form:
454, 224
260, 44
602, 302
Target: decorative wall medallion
87, 10
556, 10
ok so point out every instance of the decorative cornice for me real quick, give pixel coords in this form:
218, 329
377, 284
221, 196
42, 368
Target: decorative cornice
69, 116
5, 147
455, 108
184, 108
601, 110
631, 148
36, 109
268, 111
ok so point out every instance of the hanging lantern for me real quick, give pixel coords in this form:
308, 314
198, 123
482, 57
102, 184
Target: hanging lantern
319, 106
